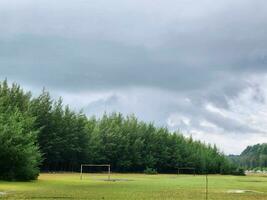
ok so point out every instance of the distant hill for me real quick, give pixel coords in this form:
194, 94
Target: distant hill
252, 157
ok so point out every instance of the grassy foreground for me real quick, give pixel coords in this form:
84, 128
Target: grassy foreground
136, 186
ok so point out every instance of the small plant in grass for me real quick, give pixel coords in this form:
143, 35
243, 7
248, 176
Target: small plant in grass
150, 171
239, 172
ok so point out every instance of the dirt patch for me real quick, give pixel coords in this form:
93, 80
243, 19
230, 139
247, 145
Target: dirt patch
242, 191
115, 179
252, 181
52, 197
2, 193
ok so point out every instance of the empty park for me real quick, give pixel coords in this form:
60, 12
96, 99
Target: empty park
133, 99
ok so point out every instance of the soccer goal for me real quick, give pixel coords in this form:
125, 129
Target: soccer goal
187, 170
94, 165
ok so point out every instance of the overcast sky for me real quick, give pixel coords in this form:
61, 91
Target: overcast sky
195, 66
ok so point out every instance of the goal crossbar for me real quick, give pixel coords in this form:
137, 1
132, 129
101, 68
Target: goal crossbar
95, 165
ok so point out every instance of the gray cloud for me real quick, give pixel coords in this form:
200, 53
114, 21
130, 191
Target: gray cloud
178, 44
163, 60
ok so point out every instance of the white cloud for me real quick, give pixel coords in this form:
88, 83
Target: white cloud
207, 124
242, 122
230, 144
175, 120
211, 108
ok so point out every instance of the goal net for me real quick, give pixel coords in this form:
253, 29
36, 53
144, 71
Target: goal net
86, 167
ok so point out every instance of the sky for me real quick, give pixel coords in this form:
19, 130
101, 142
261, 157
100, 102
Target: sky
199, 67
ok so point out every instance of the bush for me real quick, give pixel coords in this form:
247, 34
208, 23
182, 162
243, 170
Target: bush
150, 171
239, 172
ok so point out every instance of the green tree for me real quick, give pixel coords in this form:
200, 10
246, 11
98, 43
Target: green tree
19, 154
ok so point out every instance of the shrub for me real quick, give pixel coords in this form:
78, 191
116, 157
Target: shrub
239, 172
19, 155
150, 171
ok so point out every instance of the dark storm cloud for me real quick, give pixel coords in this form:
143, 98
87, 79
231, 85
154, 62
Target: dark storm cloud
82, 46
163, 60
66, 64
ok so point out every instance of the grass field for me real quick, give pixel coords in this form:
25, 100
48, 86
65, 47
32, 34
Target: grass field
136, 186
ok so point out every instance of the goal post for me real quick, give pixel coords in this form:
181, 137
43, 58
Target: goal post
190, 169
94, 165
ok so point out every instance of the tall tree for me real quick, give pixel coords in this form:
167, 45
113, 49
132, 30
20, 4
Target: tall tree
19, 154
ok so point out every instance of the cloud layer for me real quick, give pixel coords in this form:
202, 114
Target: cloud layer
195, 66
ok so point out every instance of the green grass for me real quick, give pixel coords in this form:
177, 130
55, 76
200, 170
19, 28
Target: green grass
137, 186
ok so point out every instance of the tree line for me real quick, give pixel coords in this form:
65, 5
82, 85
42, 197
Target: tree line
40, 133
252, 157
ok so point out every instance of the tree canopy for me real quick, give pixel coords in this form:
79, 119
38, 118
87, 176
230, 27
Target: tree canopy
253, 157
41, 128
19, 153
